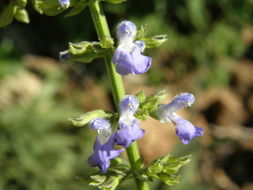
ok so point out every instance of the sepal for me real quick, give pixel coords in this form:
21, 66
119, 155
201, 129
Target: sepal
85, 118
150, 42
154, 41
149, 105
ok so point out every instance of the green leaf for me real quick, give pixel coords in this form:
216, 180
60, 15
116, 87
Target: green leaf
106, 182
49, 7
107, 42
21, 3
22, 15
85, 118
141, 32
111, 183
166, 168
169, 179
7, 14
114, 1
139, 164
154, 41
154, 168
84, 51
97, 180
77, 8
149, 105
141, 96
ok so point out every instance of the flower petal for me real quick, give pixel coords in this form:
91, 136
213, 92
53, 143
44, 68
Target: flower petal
124, 62
185, 130
128, 133
103, 153
129, 103
142, 63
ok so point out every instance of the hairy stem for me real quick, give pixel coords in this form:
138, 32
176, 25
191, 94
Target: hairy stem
115, 79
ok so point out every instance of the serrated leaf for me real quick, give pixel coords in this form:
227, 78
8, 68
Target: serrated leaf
77, 8
154, 41
7, 14
84, 119
22, 15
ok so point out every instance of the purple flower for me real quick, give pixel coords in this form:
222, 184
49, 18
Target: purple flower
103, 147
64, 3
128, 133
129, 104
128, 57
103, 128
126, 30
103, 153
129, 126
184, 129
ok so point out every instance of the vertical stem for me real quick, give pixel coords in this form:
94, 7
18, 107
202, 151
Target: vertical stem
118, 91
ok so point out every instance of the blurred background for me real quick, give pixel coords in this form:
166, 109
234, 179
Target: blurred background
209, 52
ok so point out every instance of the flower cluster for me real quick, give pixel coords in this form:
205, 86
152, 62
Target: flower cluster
128, 57
129, 131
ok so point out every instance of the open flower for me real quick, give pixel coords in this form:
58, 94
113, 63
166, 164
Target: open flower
128, 57
184, 129
128, 133
129, 126
103, 147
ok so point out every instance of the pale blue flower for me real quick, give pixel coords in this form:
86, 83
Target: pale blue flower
103, 147
128, 57
129, 126
184, 129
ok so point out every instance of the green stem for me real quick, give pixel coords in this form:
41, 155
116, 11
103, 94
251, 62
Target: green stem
118, 91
